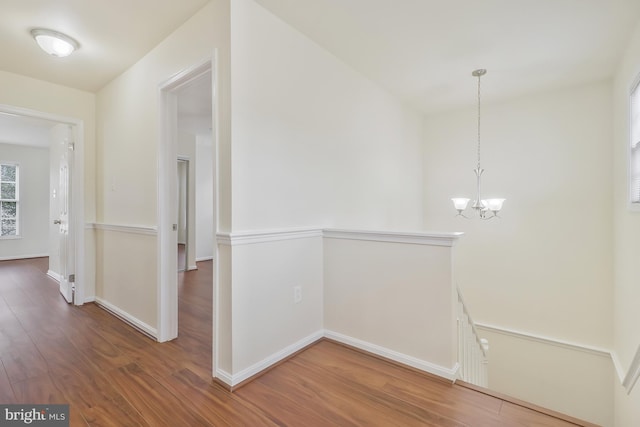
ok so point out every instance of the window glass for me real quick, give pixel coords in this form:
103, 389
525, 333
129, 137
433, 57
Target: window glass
8, 200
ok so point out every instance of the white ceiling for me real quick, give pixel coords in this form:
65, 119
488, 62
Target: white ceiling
113, 35
424, 50
22, 130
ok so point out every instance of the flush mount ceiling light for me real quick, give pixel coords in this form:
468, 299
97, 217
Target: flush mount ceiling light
54, 42
482, 207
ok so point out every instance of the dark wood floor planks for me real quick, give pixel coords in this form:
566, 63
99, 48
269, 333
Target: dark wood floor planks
112, 375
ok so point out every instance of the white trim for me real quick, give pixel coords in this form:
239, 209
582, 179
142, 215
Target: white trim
55, 276
17, 257
633, 373
131, 229
90, 299
618, 366
255, 369
264, 236
546, 340
417, 238
205, 258
12, 236
249, 237
167, 277
631, 205
131, 320
224, 376
448, 373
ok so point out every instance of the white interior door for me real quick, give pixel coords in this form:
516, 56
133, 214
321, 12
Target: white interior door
62, 138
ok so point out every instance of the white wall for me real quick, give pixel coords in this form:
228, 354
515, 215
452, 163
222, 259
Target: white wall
204, 198
562, 378
626, 245
127, 140
34, 202
545, 267
397, 295
314, 143
265, 319
549, 154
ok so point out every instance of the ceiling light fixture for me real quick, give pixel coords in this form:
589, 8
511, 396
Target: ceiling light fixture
482, 207
54, 42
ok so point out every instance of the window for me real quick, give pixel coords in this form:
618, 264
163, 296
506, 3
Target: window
634, 149
9, 197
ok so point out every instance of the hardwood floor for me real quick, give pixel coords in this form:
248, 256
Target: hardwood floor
111, 375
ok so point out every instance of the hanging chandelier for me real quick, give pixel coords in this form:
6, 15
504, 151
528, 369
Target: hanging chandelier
484, 208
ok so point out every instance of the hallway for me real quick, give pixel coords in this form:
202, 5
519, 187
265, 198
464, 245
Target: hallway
110, 374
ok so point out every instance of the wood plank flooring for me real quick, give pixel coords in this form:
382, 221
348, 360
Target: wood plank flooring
112, 375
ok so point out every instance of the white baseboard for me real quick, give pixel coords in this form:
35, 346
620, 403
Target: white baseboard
448, 373
233, 380
55, 276
192, 267
205, 258
128, 318
17, 257
89, 299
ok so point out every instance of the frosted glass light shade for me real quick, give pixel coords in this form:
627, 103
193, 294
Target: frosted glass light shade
495, 205
54, 43
460, 203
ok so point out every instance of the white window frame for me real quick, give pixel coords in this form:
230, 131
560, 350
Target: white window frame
633, 153
17, 200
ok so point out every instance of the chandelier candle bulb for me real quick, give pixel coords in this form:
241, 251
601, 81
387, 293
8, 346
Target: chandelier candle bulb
460, 203
495, 205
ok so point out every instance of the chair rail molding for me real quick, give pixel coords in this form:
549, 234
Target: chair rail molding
124, 228
247, 237
629, 379
419, 238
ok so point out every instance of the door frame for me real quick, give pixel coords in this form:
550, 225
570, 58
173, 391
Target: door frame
187, 212
77, 188
167, 170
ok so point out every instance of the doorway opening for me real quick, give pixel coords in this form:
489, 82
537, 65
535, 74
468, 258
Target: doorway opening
187, 141
56, 217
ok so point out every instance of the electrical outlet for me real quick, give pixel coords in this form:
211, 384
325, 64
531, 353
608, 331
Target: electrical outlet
297, 294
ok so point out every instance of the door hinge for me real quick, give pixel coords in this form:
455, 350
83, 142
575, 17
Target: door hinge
72, 146
72, 278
